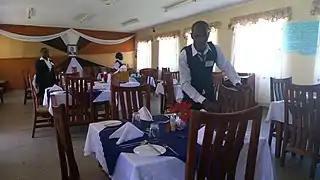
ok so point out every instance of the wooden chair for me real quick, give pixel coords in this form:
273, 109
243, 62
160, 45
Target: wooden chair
168, 98
277, 88
217, 79
164, 70
1, 94
68, 164
63, 76
41, 116
301, 136
218, 161
176, 75
27, 88
231, 100
130, 99
80, 91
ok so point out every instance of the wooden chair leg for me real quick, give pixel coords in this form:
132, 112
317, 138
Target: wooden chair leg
313, 168
271, 132
283, 150
25, 97
279, 132
34, 126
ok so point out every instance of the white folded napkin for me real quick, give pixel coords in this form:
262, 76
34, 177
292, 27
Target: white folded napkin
175, 81
56, 88
126, 132
151, 82
145, 114
201, 135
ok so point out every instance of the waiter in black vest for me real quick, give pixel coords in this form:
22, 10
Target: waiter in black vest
196, 64
45, 76
118, 63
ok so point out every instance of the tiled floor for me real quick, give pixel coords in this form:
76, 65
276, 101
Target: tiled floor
24, 158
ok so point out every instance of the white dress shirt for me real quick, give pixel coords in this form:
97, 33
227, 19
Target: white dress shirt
48, 62
185, 77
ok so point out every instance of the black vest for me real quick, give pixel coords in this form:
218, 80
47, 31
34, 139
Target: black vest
201, 72
120, 63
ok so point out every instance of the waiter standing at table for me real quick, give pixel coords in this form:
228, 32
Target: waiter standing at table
196, 64
118, 63
45, 76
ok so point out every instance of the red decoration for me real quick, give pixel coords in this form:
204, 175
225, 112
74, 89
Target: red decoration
183, 110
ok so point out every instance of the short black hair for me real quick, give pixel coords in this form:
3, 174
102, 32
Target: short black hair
201, 24
43, 49
119, 55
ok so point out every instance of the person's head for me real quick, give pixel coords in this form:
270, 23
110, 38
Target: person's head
44, 52
119, 56
200, 34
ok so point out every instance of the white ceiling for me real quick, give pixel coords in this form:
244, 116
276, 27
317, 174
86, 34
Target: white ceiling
61, 13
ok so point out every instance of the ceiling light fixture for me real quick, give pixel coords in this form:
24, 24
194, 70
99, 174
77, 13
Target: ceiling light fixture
129, 22
31, 12
109, 2
177, 4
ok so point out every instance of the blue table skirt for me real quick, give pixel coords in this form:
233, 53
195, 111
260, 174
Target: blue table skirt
176, 140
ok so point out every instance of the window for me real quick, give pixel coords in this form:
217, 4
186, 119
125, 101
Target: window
213, 37
258, 49
169, 52
144, 55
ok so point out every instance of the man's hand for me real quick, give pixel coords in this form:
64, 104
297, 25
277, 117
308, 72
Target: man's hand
210, 106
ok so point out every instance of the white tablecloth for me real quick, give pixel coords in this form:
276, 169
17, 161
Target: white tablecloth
134, 167
105, 94
276, 112
177, 91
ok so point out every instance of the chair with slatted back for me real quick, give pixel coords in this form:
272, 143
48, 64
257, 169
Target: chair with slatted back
130, 99
148, 72
301, 134
41, 116
218, 160
176, 75
231, 100
168, 97
27, 88
164, 70
63, 76
79, 100
68, 165
277, 87
217, 79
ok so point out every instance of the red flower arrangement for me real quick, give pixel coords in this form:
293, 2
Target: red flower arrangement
183, 110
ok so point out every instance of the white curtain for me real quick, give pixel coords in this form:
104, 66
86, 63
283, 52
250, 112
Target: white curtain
317, 66
213, 37
169, 53
68, 36
144, 55
258, 49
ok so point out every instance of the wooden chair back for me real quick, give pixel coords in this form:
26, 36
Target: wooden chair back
232, 100
115, 79
68, 164
79, 100
217, 79
34, 94
168, 89
130, 99
62, 78
176, 75
164, 70
277, 88
25, 75
148, 72
219, 156
302, 102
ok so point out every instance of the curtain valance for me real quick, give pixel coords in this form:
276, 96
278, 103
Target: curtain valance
171, 34
315, 10
69, 36
144, 39
271, 15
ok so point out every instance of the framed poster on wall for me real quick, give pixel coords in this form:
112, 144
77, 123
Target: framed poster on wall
72, 50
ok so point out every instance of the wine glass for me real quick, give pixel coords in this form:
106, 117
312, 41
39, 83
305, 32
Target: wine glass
154, 132
136, 119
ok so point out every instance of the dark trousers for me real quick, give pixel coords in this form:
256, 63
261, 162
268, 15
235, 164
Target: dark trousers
197, 106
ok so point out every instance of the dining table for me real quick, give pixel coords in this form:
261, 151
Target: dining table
121, 162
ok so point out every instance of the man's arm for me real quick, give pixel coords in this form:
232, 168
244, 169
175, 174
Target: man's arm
226, 66
185, 79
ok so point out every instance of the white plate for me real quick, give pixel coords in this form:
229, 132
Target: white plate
146, 150
112, 123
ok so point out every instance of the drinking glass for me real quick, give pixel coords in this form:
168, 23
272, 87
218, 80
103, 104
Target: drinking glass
136, 119
154, 132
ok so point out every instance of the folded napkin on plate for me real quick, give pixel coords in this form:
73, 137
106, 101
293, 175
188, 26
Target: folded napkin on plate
145, 114
55, 88
201, 135
175, 81
126, 132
